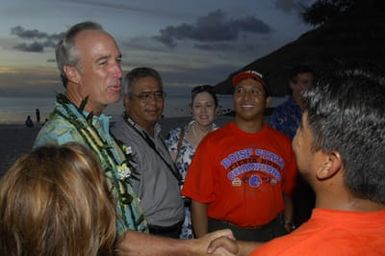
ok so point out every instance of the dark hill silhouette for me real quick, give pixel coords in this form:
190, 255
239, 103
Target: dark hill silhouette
353, 40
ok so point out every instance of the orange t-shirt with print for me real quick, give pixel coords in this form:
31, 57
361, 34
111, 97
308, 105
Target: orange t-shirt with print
241, 176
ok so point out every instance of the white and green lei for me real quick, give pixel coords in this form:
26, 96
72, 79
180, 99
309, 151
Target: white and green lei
120, 172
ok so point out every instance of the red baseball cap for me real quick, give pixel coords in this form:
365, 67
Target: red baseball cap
249, 74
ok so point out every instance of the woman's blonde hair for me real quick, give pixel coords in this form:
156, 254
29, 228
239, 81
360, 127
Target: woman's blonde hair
55, 201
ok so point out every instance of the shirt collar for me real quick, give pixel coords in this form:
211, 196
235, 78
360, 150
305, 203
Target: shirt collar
157, 127
102, 121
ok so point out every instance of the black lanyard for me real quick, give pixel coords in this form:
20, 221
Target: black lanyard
149, 141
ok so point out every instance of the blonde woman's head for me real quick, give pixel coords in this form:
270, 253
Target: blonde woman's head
55, 201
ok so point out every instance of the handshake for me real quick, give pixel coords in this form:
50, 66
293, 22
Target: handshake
223, 243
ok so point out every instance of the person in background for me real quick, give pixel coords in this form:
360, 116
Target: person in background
340, 150
158, 183
89, 61
287, 116
286, 119
37, 112
28, 122
52, 197
242, 175
183, 141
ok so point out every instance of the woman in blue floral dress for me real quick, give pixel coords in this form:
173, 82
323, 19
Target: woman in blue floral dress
183, 141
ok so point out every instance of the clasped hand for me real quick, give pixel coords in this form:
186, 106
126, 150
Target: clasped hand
224, 246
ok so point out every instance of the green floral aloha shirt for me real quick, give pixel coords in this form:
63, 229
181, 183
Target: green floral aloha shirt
67, 123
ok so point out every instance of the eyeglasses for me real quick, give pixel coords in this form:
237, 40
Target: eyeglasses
202, 88
147, 96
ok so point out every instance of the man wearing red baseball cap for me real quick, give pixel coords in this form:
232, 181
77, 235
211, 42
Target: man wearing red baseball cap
249, 74
242, 174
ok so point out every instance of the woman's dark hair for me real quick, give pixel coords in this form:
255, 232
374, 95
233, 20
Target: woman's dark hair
204, 88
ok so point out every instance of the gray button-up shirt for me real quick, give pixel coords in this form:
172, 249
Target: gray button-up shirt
157, 188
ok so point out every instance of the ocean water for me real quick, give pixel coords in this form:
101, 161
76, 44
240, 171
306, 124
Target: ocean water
14, 110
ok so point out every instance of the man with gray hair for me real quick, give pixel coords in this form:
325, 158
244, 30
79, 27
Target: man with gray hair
158, 183
89, 61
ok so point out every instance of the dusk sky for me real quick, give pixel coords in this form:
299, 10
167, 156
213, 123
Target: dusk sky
188, 42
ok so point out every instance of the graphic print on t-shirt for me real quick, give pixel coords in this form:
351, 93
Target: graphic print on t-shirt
253, 166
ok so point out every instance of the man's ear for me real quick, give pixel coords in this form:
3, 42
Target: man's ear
331, 166
72, 74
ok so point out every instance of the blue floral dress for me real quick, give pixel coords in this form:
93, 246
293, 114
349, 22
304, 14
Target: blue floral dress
182, 162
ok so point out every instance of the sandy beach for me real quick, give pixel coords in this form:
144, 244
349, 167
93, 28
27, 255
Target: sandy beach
18, 139
14, 141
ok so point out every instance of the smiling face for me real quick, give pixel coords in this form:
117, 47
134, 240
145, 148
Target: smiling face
145, 111
203, 109
98, 73
249, 101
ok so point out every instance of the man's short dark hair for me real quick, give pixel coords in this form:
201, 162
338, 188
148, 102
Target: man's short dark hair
300, 69
346, 113
138, 73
